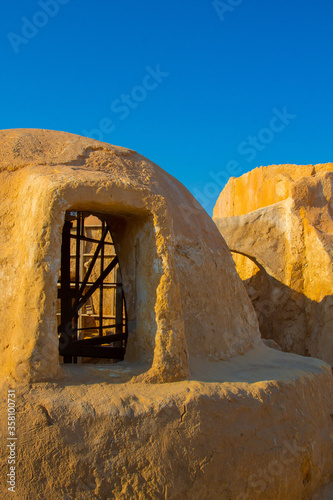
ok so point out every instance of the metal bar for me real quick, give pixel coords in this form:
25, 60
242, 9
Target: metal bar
77, 254
106, 256
96, 327
81, 277
86, 315
92, 351
101, 287
93, 226
91, 240
92, 263
65, 328
101, 278
125, 318
107, 339
91, 283
77, 266
75, 291
106, 316
113, 295
70, 293
119, 304
105, 285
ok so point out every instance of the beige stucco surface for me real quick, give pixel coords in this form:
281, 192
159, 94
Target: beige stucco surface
281, 215
228, 418
255, 427
183, 294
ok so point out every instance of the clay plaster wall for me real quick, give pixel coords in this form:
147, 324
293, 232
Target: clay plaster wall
184, 296
255, 427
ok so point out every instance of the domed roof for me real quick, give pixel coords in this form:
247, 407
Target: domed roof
185, 297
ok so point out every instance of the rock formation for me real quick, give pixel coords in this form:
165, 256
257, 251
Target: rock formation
200, 407
279, 221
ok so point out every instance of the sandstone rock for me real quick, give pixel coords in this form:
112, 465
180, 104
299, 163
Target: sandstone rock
325, 493
281, 218
272, 344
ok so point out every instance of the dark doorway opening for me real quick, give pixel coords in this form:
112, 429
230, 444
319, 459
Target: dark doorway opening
92, 322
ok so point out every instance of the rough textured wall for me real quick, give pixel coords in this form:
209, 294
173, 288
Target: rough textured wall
256, 427
262, 187
185, 297
282, 216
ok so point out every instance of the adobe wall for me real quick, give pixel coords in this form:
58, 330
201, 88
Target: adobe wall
185, 298
255, 427
248, 421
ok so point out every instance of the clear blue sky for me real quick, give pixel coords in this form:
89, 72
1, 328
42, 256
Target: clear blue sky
224, 76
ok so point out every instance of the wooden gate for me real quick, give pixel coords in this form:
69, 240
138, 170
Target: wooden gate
92, 311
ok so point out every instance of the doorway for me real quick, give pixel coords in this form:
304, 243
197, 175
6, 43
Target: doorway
92, 320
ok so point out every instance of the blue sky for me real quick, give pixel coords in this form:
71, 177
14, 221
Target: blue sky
205, 89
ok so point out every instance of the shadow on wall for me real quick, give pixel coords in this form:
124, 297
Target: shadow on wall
296, 323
